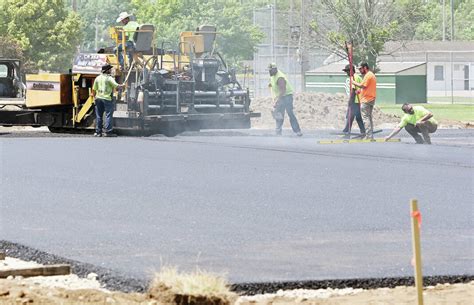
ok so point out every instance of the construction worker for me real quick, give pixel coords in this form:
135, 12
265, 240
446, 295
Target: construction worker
417, 119
367, 94
282, 91
129, 28
102, 91
353, 108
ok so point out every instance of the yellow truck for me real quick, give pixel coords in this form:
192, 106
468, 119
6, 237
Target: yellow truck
169, 89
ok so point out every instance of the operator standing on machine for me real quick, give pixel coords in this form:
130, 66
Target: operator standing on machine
129, 28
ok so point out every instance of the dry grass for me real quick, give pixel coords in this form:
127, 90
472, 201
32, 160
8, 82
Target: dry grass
172, 287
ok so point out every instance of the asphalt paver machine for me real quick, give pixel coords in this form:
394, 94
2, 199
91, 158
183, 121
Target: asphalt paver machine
169, 89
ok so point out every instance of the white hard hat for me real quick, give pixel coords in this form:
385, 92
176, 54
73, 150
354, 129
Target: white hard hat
122, 16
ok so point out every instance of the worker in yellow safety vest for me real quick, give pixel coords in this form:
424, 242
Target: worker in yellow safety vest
353, 108
417, 119
282, 91
129, 27
102, 91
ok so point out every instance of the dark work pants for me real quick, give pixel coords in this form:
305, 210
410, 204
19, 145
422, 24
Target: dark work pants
424, 128
353, 111
130, 46
102, 106
286, 103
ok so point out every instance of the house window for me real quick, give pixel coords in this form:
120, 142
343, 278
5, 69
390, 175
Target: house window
439, 73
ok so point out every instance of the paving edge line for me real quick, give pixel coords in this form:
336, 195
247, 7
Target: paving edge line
364, 283
112, 280
117, 281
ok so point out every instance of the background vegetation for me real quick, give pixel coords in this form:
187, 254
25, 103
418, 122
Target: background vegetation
47, 33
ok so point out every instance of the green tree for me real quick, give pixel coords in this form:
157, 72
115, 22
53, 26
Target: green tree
46, 31
431, 27
367, 23
9, 48
236, 39
98, 17
464, 21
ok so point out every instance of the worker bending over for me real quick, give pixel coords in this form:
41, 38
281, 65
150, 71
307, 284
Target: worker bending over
417, 119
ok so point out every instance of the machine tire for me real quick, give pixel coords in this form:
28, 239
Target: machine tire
55, 129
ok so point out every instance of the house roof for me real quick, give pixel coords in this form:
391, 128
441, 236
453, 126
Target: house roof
384, 68
427, 46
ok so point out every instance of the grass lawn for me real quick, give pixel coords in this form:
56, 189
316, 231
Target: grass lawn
454, 112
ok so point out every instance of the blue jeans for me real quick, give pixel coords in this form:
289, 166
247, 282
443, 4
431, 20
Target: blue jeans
130, 46
286, 103
353, 111
102, 106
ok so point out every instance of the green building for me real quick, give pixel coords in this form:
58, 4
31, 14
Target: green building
397, 82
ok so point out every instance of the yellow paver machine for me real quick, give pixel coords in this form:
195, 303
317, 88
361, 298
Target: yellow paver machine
169, 89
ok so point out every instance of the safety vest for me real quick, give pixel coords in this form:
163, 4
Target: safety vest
358, 79
104, 86
274, 84
130, 29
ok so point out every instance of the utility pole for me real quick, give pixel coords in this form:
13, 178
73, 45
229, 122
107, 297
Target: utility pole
272, 31
96, 32
444, 20
288, 46
74, 5
452, 20
302, 44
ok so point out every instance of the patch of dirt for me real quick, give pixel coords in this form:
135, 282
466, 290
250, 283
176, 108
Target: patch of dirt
18, 291
327, 111
460, 294
171, 287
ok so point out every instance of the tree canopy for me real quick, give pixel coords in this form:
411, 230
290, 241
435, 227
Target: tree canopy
98, 17
368, 24
371, 23
46, 31
431, 27
236, 37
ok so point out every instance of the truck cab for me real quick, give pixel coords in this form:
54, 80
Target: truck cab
12, 87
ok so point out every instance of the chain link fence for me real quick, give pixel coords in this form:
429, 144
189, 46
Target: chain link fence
284, 45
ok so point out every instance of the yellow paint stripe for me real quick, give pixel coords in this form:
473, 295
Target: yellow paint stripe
350, 141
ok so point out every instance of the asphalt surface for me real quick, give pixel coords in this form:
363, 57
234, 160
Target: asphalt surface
243, 203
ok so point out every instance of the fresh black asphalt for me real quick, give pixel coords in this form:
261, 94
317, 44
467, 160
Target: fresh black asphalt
245, 204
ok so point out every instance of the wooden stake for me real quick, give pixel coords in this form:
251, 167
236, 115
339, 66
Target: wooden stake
61, 269
2, 255
415, 228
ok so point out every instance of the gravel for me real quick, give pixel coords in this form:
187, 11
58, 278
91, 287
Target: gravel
109, 279
116, 281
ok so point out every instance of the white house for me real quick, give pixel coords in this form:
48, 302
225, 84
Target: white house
450, 65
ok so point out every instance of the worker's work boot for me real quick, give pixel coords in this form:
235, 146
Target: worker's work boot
426, 138
425, 133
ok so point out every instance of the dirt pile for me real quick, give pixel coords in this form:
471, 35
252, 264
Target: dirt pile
316, 111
